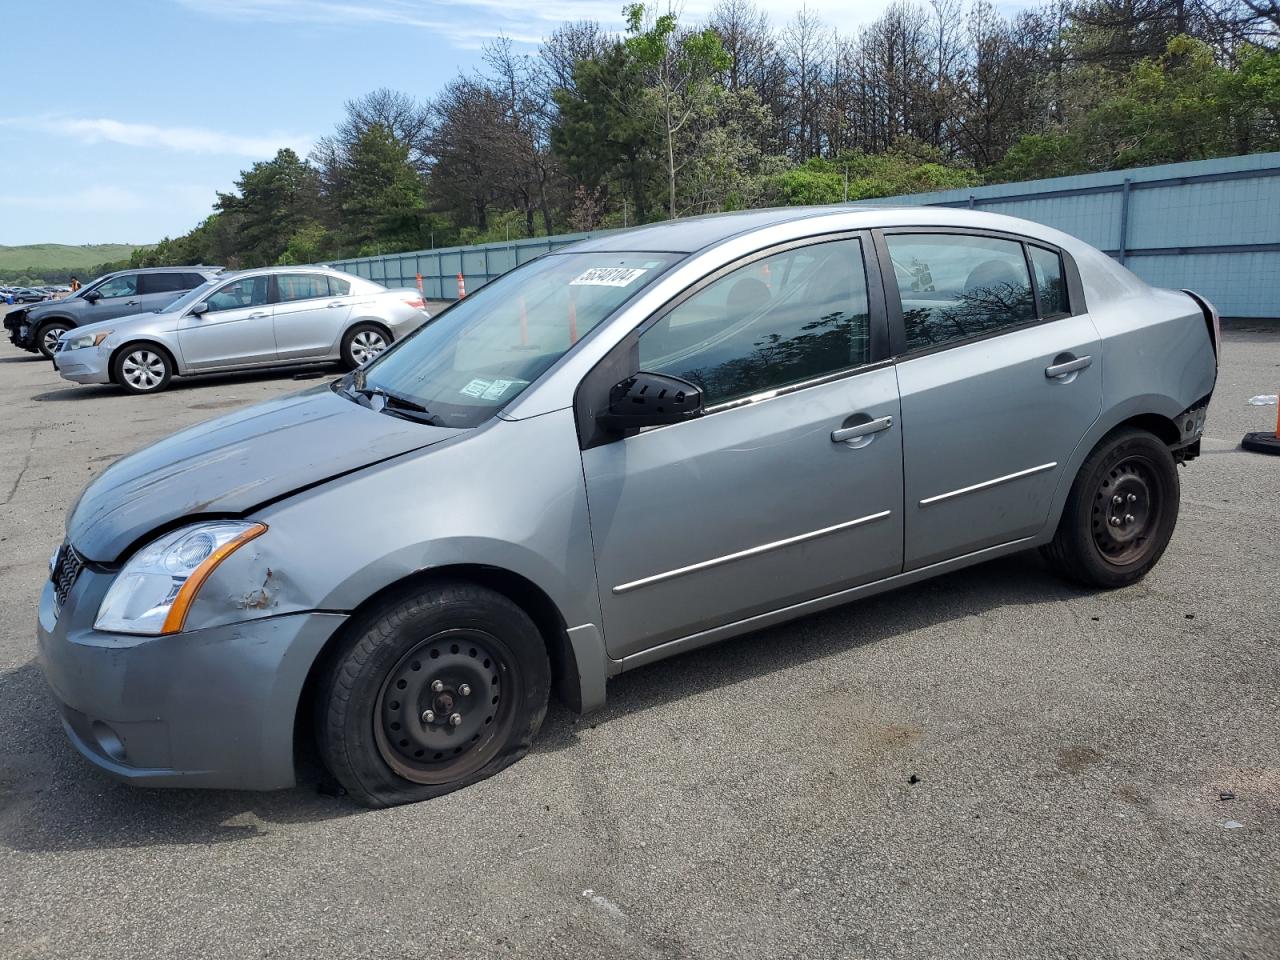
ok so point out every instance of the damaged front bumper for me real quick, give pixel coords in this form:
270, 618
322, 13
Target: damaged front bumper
213, 707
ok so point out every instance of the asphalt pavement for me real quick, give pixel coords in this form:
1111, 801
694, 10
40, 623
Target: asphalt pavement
992, 764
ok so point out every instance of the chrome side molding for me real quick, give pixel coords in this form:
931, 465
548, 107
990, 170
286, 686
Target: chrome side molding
749, 552
987, 483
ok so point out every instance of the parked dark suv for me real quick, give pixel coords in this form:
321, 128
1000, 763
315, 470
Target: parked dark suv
114, 295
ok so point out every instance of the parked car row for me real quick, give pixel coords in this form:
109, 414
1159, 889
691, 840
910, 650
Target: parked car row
30, 294
140, 328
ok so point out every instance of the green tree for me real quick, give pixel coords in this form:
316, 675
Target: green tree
684, 71
381, 206
274, 199
604, 131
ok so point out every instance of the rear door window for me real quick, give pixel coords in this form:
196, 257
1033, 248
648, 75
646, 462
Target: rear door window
162, 283
957, 287
300, 286
339, 288
1051, 288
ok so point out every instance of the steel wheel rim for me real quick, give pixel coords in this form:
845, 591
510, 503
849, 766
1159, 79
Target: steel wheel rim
50, 338
435, 748
1127, 508
143, 369
366, 345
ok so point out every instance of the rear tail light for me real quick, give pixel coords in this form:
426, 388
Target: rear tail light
417, 303
1212, 321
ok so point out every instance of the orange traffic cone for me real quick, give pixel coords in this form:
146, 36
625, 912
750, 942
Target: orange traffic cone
462, 287
1262, 441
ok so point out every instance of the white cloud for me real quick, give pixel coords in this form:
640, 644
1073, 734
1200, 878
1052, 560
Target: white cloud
182, 139
468, 24
93, 199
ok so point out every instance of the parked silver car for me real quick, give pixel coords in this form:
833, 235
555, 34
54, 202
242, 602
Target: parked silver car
252, 318
632, 447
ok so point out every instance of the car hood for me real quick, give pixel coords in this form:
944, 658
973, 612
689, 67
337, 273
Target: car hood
132, 323
232, 464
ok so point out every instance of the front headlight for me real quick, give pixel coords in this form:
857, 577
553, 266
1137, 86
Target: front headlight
79, 341
155, 589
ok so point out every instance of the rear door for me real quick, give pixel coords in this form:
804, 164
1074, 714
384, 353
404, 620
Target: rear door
236, 329
1000, 378
309, 315
789, 488
158, 290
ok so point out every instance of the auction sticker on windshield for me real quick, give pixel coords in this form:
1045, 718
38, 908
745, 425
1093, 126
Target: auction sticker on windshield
483, 389
608, 277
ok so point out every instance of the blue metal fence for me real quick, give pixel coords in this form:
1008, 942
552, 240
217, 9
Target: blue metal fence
1211, 225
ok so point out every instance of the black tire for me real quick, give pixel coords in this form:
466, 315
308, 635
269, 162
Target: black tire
1120, 514
142, 368
360, 344
375, 734
46, 336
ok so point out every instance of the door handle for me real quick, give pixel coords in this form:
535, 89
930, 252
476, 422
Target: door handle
336, 303
845, 434
1055, 370
131, 303
257, 314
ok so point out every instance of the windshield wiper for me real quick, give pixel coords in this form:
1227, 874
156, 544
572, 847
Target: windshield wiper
379, 399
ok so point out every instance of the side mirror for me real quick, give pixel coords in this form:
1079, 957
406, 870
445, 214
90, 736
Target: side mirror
200, 308
651, 400
93, 296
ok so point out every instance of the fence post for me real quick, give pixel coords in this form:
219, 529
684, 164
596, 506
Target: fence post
1124, 219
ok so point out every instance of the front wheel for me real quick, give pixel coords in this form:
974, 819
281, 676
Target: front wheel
47, 337
142, 369
1120, 514
434, 692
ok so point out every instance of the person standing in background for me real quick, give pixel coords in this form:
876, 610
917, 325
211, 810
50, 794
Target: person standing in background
74, 284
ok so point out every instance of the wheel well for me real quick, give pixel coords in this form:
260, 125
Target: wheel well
365, 322
519, 590
160, 347
1154, 423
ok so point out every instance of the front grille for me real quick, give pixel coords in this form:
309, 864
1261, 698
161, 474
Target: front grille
66, 570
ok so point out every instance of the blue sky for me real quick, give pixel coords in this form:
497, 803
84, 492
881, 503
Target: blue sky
120, 120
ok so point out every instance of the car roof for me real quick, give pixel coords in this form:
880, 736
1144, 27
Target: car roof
266, 271
694, 234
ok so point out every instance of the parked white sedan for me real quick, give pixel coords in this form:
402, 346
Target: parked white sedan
274, 316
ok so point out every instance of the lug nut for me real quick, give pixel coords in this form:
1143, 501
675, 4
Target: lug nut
1117, 500
428, 716
1115, 521
1128, 518
465, 690
455, 719
437, 685
1133, 498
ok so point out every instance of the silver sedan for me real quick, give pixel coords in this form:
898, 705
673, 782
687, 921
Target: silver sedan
253, 318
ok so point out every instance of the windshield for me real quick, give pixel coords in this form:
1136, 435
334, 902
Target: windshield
481, 353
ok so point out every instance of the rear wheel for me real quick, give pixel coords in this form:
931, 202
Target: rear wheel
362, 343
47, 336
142, 368
435, 692
1120, 514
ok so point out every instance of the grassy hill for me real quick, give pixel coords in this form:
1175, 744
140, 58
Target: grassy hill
60, 257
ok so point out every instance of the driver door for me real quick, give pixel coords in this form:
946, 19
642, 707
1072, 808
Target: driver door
117, 297
766, 500
235, 330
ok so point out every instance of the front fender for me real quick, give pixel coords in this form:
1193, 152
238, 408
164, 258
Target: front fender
509, 495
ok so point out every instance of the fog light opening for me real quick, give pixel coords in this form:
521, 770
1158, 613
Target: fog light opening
108, 742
